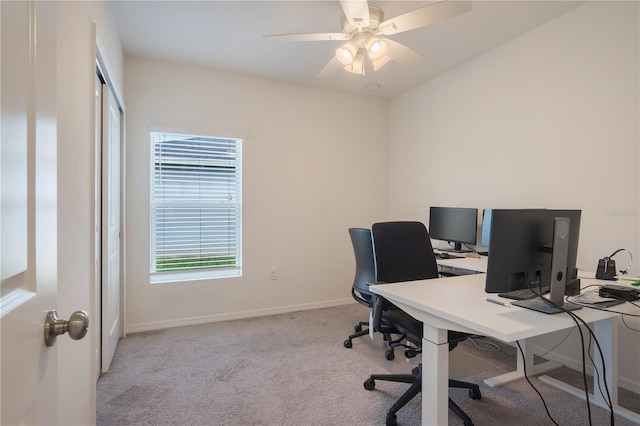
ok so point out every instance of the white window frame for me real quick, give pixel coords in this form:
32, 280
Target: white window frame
234, 203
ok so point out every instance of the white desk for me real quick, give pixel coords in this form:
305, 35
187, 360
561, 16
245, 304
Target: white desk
456, 303
468, 263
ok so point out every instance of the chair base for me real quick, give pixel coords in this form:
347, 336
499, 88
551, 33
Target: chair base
415, 380
360, 331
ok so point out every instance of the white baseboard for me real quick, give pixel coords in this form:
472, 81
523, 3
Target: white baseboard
204, 319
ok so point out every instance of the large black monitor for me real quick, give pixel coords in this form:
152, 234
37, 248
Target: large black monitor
522, 249
457, 225
515, 259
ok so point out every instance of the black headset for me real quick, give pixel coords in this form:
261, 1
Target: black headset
623, 272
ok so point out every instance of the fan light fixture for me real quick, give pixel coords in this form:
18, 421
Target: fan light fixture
346, 53
377, 48
363, 23
351, 56
357, 66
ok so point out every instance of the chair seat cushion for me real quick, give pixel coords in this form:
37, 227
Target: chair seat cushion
413, 328
405, 322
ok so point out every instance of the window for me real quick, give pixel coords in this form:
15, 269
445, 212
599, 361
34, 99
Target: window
196, 207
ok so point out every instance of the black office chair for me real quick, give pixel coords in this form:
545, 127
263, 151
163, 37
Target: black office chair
365, 275
403, 252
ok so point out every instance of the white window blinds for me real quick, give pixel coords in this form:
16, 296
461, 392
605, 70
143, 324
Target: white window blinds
196, 203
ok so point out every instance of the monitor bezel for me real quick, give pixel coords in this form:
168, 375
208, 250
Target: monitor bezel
444, 234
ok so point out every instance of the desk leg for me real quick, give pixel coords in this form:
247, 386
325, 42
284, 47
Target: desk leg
532, 369
606, 331
435, 376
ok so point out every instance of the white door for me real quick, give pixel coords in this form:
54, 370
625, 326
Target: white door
111, 329
28, 221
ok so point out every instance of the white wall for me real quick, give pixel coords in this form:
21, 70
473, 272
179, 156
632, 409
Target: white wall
549, 119
315, 164
77, 25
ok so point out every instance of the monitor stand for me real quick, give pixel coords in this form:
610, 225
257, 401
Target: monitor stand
545, 306
457, 248
453, 250
560, 250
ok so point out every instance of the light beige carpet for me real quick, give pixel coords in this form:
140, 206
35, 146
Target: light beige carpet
292, 369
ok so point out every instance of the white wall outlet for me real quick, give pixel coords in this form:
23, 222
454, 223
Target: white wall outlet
273, 274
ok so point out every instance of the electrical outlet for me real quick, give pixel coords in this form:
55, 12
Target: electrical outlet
273, 274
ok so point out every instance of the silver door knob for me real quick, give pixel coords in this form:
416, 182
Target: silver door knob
77, 326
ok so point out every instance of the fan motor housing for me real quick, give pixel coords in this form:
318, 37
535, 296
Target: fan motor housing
376, 16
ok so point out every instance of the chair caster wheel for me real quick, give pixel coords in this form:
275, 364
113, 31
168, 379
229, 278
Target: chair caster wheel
369, 384
347, 344
410, 353
358, 328
389, 355
475, 394
392, 420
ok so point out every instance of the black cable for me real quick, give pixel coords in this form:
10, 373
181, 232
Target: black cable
607, 396
607, 399
561, 342
524, 370
628, 326
596, 373
584, 373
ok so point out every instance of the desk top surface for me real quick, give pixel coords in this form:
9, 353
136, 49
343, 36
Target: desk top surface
456, 303
468, 263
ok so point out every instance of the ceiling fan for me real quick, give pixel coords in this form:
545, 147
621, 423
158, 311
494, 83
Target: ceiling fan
362, 26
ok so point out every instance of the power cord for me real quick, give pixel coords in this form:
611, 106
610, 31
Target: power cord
561, 342
526, 376
607, 393
579, 320
490, 346
628, 326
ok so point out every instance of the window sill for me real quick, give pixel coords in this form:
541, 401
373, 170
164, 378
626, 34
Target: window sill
184, 276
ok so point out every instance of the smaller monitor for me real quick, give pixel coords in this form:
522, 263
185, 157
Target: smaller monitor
457, 225
486, 227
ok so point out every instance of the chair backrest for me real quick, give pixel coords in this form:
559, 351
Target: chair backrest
403, 252
365, 263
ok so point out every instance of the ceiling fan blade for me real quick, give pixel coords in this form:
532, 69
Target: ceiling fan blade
333, 66
401, 53
379, 63
307, 37
424, 16
356, 12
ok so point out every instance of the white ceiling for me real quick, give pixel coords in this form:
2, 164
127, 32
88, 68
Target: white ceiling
227, 36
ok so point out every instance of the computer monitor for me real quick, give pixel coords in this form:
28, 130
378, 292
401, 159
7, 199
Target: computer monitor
563, 276
457, 225
522, 249
485, 233
515, 259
